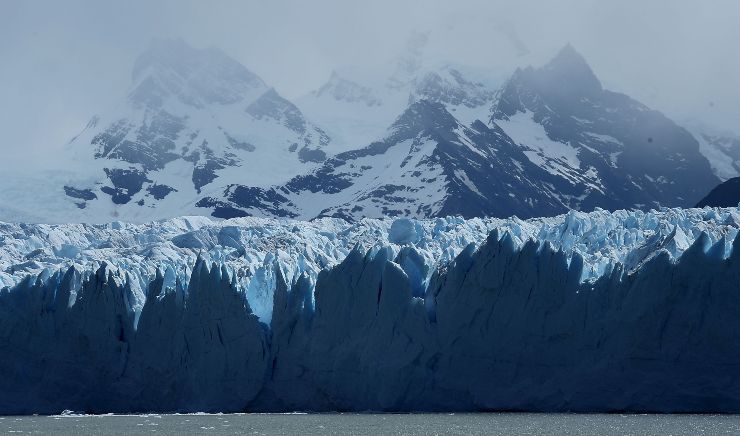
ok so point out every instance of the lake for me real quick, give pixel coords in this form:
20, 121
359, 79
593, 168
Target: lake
371, 424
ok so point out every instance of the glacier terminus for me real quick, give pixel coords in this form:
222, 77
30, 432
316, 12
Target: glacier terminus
602, 311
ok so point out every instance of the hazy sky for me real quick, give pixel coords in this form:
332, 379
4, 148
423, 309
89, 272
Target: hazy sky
63, 61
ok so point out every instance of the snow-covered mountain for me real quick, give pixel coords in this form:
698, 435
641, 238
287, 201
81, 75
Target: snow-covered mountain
255, 314
552, 139
199, 133
357, 107
612, 150
429, 164
194, 121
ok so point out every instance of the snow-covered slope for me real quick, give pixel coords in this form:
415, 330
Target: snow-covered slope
357, 112
722, 149
583, 312
352, 111
428, 164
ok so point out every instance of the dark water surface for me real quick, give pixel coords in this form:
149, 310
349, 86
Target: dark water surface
372, 424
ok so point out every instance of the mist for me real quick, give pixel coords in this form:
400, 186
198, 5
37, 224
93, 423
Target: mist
63, 62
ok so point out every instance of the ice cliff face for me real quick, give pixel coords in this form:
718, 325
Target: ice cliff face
601, 312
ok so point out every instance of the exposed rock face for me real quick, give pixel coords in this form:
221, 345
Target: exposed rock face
726, 194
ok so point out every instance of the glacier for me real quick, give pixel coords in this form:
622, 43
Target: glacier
600, 311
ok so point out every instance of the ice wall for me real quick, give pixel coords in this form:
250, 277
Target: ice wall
504, 326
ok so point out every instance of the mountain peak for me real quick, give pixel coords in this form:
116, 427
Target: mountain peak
410, 61
423, 115
569, 52
166, 53
171, 67
569, 71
